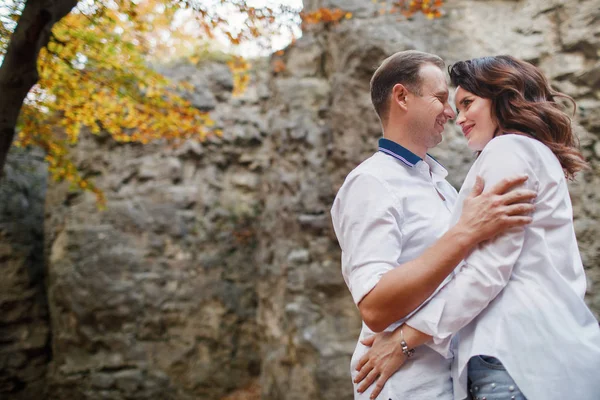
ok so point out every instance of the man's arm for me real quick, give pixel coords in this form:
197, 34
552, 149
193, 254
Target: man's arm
401, 290
368, 228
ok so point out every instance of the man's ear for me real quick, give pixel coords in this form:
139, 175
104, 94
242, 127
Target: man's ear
399, 96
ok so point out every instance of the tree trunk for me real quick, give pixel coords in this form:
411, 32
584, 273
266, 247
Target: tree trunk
18, 72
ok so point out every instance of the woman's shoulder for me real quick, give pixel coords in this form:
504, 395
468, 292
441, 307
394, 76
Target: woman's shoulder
511, 152
512, 142
513, 146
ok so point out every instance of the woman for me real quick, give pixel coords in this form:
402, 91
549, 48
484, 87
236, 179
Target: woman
525, 330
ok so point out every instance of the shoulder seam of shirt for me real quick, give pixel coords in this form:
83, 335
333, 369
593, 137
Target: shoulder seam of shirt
513, 138
518, 151
386, 185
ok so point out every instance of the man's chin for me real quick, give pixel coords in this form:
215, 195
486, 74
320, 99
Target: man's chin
437, 140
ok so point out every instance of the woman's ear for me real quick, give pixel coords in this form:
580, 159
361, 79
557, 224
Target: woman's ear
400, 95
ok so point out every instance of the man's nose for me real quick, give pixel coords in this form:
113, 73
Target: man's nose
450, 112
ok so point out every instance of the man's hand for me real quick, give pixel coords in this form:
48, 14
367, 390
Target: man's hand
380, 362
488, 214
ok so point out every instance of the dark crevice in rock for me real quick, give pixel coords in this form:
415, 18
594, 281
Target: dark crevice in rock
25, 339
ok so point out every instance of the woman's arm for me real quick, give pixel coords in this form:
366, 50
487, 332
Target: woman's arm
484, 274
487, 270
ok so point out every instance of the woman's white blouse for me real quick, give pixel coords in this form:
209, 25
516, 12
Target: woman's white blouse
519, 297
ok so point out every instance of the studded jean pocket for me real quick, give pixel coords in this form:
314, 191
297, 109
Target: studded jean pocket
489, 380
491, 362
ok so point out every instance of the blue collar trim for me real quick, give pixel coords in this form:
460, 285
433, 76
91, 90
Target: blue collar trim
398, 152
440, 164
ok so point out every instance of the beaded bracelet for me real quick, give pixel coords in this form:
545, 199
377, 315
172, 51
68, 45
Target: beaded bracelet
407, 352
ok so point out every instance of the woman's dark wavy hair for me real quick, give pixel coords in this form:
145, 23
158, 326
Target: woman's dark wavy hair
522, 103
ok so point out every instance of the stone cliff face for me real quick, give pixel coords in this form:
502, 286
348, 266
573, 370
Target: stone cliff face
313, 317
214, 270
156, 297
24, 328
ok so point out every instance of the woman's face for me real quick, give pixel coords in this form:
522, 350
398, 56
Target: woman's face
474, 118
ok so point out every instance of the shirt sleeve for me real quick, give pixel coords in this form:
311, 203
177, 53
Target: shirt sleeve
367, 221
487, 269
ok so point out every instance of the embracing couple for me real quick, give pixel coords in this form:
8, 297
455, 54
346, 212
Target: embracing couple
476, 294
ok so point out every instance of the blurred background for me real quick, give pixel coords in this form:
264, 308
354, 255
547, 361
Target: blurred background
164, 207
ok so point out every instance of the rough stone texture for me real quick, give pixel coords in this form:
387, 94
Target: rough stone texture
156, 297
24, 325
311, 332
214, 270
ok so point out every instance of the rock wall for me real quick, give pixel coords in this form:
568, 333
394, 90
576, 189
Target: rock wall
24, 326
214, 272
328, 79
156, 297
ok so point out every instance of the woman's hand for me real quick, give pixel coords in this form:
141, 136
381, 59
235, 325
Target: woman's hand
385, 357
381, 361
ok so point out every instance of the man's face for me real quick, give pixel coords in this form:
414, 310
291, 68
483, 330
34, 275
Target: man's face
429, 112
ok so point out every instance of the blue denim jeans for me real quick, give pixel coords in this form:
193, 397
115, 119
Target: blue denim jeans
488, 380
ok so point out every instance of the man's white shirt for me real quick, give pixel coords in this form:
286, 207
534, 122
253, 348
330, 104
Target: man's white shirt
520, 296
390, 209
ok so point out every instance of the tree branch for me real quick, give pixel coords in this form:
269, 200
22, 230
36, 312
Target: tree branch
18, 72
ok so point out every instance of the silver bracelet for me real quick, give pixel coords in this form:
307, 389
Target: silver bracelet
407, 352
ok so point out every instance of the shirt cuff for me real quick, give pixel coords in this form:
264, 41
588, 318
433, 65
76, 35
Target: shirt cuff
442, 346
363, 283
427, 320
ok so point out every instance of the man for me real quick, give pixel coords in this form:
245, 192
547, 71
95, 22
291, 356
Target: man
391, 217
